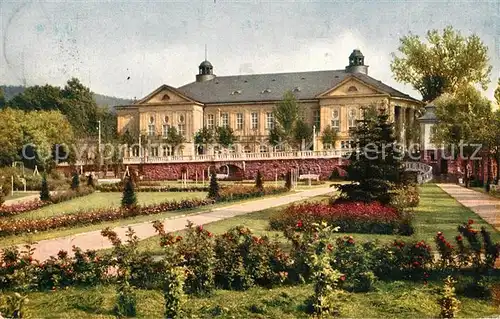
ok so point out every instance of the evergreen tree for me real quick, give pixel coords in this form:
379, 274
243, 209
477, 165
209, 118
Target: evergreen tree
2, 197
376, 164
259, 182
129, 198
213, 191
90, 181
75, 182
288, 180
44, 191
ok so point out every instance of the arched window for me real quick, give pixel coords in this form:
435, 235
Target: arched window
351, 118
263, 149
165, 97
336, 119
151, 126
352, 89
165, 119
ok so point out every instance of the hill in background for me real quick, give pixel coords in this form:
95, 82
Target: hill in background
101, 100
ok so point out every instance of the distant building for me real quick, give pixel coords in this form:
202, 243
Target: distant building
245, 103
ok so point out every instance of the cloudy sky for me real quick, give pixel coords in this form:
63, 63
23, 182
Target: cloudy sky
129, 48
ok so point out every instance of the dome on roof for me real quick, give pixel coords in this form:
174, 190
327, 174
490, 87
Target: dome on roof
205, 64
356, 53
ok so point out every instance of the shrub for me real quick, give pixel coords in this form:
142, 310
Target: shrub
90, 181
129, 198
259, 182
405, 197
199, 260
12, 305
75, 181
446, 251
213, 191
350, 217
448, 301
44, 191
2, 198
288, 180
238, 192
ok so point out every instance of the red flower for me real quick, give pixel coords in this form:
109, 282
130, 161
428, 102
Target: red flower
342, 278
459, 238
300, 224
470, 222
200, 228
416, 264
329, 247
209, 234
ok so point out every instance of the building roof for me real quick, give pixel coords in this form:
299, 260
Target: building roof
272, 86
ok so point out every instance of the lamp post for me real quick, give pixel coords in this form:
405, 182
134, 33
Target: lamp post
314, 138
99, 129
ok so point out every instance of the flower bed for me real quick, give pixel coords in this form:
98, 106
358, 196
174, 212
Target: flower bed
356, 217
13, 227
23, 207
150, 188
238, 192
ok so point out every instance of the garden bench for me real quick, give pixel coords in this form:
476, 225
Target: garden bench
222, 176
309, 177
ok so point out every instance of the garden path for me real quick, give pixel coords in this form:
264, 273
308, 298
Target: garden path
94, 240
486, 206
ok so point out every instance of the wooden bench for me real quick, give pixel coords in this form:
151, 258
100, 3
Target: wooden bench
222, 176
309, 177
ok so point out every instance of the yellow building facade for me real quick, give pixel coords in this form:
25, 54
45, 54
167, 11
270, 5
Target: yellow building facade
245, 103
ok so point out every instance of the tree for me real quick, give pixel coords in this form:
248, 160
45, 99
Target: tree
44, 191
129, 198
302, 134
329, 137
225, 136
288, 180
174, 139
259, 182
90, 181
204, 137
287, 114
448, 62
497, 93
213, 190
75, 181
375, 166
461, 117
2, 98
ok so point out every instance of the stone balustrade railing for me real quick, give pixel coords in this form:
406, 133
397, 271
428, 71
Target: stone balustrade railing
425, 171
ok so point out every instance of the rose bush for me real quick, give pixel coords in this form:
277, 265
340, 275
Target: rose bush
356, 217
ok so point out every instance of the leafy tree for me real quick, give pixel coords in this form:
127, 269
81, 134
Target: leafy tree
448, 62
90, 181
274, 137
174, 139
289, 128
303, 133
460, 118
44, 191
375, 166
2, 98
213, 190
127, 138
204, 137
129, 198
329, 136
38, 98
259, 182
225, 136
75, 181
497, 93
11, 135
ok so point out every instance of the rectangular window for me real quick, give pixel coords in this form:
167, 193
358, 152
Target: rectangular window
270, 121
336, 120
352, 118
210, 121
255, 121
239, 121
154, 151
317, 119
182, 129
166, 127
151, 129
224, 119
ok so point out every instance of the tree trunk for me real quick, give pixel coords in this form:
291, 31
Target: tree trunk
466, 174
498, 166
489, 169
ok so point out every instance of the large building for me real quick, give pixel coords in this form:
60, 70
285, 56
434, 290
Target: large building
245, 103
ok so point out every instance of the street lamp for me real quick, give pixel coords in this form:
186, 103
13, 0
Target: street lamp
99, 129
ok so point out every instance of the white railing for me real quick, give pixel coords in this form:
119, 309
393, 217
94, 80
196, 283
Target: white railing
424, 170
237, 156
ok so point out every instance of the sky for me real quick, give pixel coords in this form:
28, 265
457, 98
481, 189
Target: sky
129, 48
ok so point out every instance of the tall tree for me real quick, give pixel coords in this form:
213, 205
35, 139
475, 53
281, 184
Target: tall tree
174, 139
302, 134
204, 137
2, 98
225, 136
497, 93
446, 63
460, 118
329, 137
287, 115
376, 164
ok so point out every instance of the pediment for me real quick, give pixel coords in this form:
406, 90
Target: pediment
164, 95
351, 86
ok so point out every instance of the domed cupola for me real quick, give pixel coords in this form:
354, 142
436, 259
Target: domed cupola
206, 72
357, 63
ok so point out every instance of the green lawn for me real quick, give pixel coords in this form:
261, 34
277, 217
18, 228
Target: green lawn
104, 200
437, 212
398, 299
